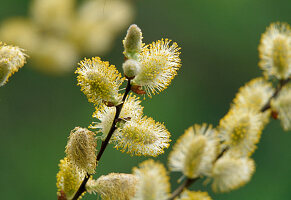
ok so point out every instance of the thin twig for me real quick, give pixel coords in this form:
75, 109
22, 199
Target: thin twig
184, 185
188, 182
104, 143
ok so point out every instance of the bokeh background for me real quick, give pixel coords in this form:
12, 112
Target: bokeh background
219, 41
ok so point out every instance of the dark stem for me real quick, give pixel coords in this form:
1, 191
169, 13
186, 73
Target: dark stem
221, 154
184, 185
82, 187
267, 106
104, 143
278, 89
112, 129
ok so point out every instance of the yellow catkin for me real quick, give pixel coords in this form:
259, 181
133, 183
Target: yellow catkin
275, 51
12, 58
194, 152
142, 136
69, 179
99, 81
153, 182
230, 173
240, 130
115, 186
159, 64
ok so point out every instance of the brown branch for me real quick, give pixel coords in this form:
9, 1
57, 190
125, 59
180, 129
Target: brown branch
267, 106
104, 143
184, 185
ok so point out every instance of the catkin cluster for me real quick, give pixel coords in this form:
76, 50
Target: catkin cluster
57, 33
222, 154
120, 121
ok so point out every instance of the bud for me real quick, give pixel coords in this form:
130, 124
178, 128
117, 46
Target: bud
131, 68
132, 42
114, 186
81, 149
4, 71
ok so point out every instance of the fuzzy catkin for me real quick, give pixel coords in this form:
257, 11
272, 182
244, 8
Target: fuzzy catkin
81, 149
117, 186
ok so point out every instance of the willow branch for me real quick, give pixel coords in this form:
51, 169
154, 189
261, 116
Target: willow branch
104, 143
184, 185
188, 182
112, 129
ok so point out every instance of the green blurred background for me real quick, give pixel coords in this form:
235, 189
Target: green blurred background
219, 41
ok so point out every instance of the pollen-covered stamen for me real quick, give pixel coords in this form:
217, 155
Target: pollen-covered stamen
142, 136
99, 81
240, 131
14, 55
159, 64
11, 60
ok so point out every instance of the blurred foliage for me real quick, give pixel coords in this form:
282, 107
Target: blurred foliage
56, 34
219, 42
